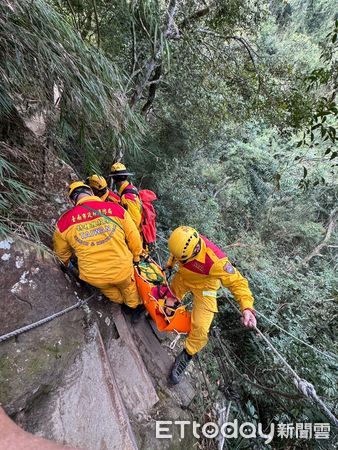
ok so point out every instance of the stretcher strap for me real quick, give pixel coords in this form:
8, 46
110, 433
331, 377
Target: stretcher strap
174, 342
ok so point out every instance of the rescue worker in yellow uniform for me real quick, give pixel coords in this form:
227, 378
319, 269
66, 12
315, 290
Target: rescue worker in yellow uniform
128, 193
99, 186
203, 269
105, 241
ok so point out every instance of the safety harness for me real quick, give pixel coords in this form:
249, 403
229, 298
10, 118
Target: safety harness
155, 292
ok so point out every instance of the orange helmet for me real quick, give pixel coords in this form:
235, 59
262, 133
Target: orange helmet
184, 243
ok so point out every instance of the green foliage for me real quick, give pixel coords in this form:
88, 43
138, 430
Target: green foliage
323, 122
39, 51
15, 198
228, 191
238, 83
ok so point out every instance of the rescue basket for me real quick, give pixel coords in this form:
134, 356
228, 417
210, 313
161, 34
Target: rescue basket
153, 289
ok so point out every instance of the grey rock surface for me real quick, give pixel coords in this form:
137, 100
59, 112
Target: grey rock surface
86, 409
33, 287
88, 379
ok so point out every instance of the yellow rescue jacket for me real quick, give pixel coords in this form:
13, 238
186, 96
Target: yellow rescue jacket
210, 269
105, 246
132, 203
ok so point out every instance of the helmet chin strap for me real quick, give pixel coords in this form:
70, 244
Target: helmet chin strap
183, 261
77, 192
74, 200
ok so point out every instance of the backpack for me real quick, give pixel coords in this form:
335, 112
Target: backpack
148, 221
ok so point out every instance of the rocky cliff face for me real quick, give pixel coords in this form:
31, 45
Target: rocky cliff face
87, 378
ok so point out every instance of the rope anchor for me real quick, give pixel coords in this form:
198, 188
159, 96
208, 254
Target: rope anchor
304, 387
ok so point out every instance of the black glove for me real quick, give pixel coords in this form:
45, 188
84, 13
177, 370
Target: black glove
169, 271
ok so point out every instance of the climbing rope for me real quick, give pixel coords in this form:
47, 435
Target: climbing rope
244, 376
21, 330
99, 213
159, 258
204, 377
304, 387
163, 247
328, 355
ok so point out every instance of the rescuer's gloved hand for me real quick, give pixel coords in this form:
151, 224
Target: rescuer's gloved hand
171, 262
136, 259
169, 271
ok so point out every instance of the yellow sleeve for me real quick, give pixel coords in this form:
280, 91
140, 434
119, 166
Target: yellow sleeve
134, 209
133, 237
233, 280
171, 262
61, 247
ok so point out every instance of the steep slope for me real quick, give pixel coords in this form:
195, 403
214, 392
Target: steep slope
87, 378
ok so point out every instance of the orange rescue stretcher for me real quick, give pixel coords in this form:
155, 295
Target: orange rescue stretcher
154, 291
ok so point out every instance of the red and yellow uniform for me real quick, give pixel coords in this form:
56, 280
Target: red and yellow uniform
99, 186
104, 246
203, 276
131, 202
110, 196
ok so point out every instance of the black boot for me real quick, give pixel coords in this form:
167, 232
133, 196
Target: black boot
136, 314
181, 363
127, 309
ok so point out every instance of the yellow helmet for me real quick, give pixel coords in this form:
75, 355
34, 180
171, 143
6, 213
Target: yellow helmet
97, 182
184, 243
76, 185
119, 169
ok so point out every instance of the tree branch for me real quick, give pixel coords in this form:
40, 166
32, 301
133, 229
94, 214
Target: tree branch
87, 23
152, 89
330, 229
251, 52
170, 22
240, 39
154, 63
195, 17
73, 14
97, 24
133, 47
238, 244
